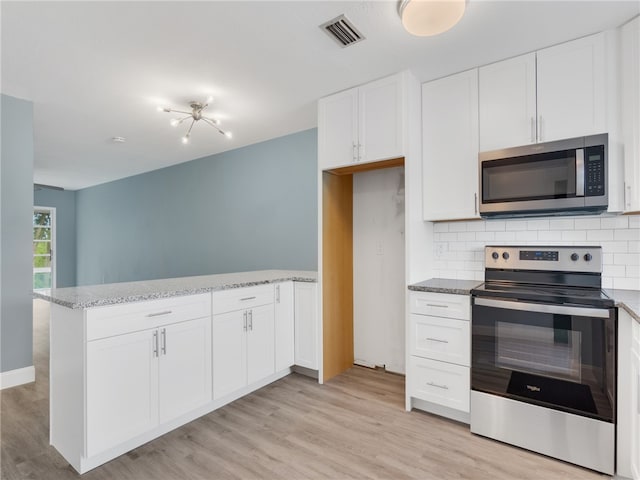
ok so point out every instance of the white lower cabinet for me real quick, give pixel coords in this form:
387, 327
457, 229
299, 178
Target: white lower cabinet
439, 348
306, 325
244, 339
635, 401
284, 325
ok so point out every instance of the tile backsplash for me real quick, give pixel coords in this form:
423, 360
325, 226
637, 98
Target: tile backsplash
459, 246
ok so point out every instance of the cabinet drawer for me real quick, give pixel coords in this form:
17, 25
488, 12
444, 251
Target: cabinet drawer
438, 338
241, 298
131, 317
439, 382
440, 305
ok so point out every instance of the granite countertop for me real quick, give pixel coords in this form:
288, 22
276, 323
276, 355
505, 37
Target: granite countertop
627, 299
126, 292
446, 285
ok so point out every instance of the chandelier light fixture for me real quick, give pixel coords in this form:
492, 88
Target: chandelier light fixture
195, 115
425, 18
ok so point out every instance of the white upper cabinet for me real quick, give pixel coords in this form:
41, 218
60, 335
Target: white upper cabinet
571, 89
507, 96
450, 147
338, 129
556, 93
363, 124
630, 73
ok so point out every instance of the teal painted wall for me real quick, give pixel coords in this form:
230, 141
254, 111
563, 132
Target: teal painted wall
247, 209
16, 233
65, 205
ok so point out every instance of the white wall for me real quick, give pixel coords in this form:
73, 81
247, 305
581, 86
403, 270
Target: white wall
458, 248
378, 268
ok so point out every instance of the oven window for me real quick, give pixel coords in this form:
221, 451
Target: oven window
539, 177
553, 352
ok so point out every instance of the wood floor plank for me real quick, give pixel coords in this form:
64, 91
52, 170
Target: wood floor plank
353, 427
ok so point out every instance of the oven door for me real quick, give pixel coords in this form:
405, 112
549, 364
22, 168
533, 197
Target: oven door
557, 356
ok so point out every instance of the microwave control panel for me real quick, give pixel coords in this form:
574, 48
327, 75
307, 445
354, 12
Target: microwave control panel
594, 182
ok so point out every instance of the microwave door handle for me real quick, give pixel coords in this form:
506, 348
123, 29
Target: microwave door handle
543, 308
580, 172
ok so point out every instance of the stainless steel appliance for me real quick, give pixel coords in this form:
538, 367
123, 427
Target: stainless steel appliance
562, 177
543, 354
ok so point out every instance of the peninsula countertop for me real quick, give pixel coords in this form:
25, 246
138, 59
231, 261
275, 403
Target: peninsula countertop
127, 292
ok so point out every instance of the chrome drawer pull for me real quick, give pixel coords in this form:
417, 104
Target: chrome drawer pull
157, 314
164, 341
247, 298
444, 387
436, 305
155, 343
436, 340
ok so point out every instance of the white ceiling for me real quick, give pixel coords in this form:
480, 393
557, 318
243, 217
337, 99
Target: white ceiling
95, 70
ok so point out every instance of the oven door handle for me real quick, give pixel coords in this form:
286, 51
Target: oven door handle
543, 308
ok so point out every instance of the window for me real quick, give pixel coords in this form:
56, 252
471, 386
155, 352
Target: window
43, 260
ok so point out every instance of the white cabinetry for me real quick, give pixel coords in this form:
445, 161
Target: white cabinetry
306, 325
628, 408
630, 104
363, 124
243, 338
439, 347
450, 147
139, 380
556, 93
284, 325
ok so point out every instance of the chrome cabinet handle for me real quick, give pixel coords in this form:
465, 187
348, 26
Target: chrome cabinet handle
436, 305
155, 343
436, 340
247, 298
627, 195
540, 129
244, 323
354, 154
533, 130
158, 314
475, 203
164, 341
431, 384
278, 293
251, 320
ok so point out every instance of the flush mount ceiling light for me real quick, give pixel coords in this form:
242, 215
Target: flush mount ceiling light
196, 114
425, 18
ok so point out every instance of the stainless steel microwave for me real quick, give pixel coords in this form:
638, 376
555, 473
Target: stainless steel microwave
554, 178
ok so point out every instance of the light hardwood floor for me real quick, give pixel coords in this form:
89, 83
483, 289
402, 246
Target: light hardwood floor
354, 426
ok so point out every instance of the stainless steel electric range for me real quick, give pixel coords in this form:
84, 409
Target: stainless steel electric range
543, 361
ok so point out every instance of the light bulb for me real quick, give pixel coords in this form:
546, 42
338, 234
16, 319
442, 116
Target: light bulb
209, 99
185, 139
174, 122
159, 108
228, 134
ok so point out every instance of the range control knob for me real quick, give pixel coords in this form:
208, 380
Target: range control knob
495, 255
575, 257
587, 257
505, 255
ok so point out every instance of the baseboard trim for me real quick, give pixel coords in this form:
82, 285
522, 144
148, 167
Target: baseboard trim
19, 376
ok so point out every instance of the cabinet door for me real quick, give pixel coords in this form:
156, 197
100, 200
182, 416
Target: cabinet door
185, 367
306, 325
507, 103
635, 415
122, 389
229, 353
571, 89
260, 343
630, 72
338, 129
450, 147
380, 126
284, 326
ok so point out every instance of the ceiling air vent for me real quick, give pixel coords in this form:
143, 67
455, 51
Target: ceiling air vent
342, 31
